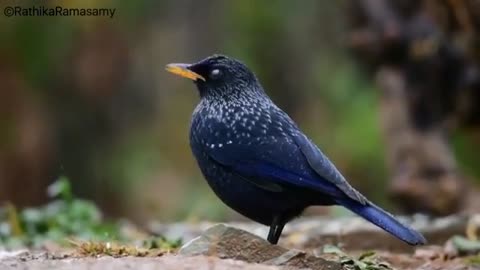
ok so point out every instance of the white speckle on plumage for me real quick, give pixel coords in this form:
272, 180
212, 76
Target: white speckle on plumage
245, 117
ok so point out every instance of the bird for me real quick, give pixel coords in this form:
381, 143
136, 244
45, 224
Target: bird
256, 159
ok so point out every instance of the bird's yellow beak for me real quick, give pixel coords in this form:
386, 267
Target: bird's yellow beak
182, 70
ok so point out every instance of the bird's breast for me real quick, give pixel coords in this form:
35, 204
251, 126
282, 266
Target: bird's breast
220, 125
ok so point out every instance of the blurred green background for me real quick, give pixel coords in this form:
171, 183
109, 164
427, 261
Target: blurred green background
88, 98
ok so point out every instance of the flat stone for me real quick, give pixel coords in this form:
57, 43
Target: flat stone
231, 243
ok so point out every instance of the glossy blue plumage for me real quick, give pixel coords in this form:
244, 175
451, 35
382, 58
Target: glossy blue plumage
258, 162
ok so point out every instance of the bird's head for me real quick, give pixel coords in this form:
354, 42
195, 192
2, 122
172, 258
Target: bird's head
218, 75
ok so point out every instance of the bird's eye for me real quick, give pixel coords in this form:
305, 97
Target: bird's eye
215, 74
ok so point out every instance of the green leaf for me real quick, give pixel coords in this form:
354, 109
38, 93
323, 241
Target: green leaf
61, 189
331, 249
366, 255
465, 245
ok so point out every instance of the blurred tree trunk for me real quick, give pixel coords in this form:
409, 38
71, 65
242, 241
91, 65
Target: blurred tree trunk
425, 57
27, 148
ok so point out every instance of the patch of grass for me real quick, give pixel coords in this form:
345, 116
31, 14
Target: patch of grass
474, 260
67, 217
114, 249
160, 242
152, 247
64, 216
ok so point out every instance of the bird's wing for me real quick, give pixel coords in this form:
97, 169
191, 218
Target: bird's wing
284, 156
325, 168
272, 164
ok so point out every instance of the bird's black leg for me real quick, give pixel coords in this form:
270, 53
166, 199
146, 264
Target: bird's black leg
275, 231
271, 234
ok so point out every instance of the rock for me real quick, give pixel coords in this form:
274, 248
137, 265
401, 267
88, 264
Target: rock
188, 231
230, 243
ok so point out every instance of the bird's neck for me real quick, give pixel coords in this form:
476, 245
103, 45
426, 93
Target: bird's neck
236, 99
229, 106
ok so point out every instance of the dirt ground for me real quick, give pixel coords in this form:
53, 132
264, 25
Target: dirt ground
303, 246
166, 262
43, 261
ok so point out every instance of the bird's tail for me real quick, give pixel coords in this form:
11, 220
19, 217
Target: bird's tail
384, 220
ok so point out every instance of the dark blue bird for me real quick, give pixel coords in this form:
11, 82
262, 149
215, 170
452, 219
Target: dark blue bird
256, 159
